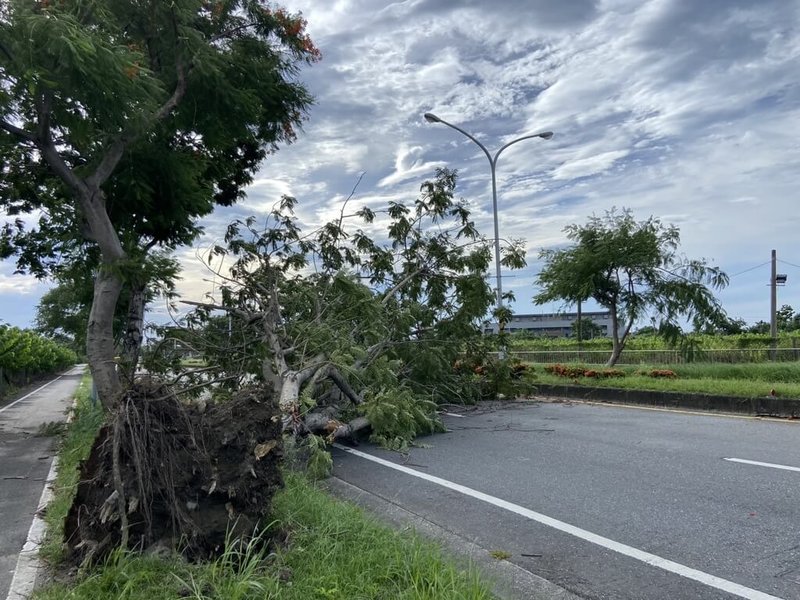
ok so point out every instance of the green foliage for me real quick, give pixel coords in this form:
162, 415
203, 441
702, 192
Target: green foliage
319, 463
632, 269
398, 416
389, 317
122, 122
23, 350
586, 329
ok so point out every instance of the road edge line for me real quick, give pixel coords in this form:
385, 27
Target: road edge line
654, 560
28, 565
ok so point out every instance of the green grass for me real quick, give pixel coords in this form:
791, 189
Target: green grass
74, 447
741, 380
333, 551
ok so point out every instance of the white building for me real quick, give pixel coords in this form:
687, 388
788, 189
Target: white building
552, 324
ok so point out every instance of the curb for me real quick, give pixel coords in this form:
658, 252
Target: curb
786, 408
29, 566
508, 580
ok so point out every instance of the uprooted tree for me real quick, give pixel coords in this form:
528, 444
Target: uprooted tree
351, 330
123, 121
632, 269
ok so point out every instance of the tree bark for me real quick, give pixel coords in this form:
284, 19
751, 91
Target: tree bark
134, 327
100, 347
616, 347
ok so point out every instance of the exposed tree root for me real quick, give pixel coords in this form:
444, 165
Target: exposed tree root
181, 473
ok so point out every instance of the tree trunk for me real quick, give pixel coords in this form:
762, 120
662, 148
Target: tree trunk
100, 347
616, 346
134, 327
100, 336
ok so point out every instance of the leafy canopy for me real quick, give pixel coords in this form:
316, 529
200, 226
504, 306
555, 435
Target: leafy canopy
634, 270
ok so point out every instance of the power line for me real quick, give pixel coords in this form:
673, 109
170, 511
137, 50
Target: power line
750, 269
786, 262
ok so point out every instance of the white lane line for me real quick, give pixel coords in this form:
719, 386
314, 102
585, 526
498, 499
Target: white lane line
762, 464
28, 566
449, 414
640, 555
26, 396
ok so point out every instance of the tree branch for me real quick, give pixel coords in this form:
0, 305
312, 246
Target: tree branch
14, 130
117, 148
388, 295
342, 384
247, 316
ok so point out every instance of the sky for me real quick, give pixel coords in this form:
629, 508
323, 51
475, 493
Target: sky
684, 110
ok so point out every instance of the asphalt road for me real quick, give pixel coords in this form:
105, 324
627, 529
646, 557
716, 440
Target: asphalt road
25, 461
611, 502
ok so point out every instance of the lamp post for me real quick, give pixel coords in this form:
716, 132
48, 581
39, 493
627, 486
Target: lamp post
545, 135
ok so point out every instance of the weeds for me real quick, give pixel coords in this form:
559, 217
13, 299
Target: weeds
75, 446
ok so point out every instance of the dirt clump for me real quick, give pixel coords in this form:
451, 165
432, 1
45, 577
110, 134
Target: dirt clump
166, 471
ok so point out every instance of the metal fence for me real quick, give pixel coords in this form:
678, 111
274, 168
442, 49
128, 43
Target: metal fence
660, 357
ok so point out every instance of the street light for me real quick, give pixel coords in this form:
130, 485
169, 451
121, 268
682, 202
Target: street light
545, 135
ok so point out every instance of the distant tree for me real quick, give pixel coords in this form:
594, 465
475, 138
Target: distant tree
63, 311
785, 318
588, 329
725, 327
633, 270
761, 327
646, 330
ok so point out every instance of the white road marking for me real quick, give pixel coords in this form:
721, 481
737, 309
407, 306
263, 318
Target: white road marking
28, 565
763, 464
72, 371
645, 557
26, 396
449, 414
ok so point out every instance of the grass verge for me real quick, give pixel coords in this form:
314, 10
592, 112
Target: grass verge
332, 551
74, 447
744, 380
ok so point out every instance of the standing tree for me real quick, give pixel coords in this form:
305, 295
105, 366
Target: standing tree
588, 329
633, 270
786, 318
128, 119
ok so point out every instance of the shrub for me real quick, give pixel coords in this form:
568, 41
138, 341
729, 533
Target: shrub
662, 373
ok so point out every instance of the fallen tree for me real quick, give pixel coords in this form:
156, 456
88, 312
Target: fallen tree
352, 333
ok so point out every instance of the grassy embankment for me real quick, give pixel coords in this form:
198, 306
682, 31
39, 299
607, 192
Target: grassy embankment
332, 551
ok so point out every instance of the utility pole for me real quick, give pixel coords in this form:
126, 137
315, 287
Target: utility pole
773, 309
776, 280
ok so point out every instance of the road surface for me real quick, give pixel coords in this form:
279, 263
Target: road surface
25, 462
610, 502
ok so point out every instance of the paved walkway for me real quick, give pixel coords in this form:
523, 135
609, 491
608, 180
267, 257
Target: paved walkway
25, 461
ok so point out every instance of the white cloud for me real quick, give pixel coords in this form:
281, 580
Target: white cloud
678, 109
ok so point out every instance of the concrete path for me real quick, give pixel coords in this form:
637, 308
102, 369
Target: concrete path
25, 461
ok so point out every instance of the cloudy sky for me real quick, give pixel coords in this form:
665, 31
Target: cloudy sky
686, 110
